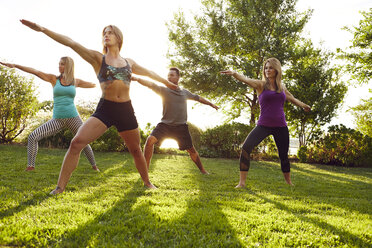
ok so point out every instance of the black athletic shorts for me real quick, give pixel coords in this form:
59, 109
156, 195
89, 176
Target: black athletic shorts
180, 133
118, 114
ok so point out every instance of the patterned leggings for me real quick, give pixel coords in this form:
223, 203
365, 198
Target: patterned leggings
51, 128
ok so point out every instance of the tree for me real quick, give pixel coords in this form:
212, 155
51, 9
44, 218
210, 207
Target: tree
363, 116
236, 34
17, 103
311, 79
359, 54
359, 58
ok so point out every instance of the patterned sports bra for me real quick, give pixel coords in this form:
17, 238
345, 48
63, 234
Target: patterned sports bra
110, 73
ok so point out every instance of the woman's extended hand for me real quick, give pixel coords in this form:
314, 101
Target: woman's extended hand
8, 65
214, 106
228, 72
306, 107
32, 25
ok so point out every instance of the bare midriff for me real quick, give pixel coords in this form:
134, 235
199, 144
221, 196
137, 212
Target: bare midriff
116, 91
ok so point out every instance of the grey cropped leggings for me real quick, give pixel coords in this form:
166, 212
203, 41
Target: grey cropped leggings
281, 138
50, 128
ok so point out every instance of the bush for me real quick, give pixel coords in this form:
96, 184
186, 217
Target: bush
60, 140
195, 133
302, 154
18, 103
341, 146
110, 141
224, 140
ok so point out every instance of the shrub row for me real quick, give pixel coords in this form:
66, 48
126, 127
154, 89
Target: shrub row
221, 141
340, 146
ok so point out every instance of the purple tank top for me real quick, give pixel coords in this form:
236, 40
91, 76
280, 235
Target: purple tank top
272, 112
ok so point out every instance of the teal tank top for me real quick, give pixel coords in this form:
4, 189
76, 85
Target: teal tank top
64, 106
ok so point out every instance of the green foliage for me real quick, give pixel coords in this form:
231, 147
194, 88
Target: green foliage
46, 106
195, 133
144, 133
17, 103
313, 81
59, 140
112, 208
363, 116
86, 109
109, 141
302, 154
341, 146
359, 54
238, 35
224, 141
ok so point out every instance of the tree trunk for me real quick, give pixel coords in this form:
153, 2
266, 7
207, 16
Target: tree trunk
254, 109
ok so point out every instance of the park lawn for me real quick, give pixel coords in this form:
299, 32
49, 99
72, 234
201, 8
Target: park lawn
327, 207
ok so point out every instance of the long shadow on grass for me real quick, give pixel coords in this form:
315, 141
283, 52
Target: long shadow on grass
345, 237
74, 184
314, 187
327, 185
136, 221
315, 184
203, 224
108, 228
335, 174
35, 200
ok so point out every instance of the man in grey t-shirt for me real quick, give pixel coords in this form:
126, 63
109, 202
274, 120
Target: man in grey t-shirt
174, 122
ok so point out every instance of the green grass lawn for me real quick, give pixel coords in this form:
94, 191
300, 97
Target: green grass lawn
327, 207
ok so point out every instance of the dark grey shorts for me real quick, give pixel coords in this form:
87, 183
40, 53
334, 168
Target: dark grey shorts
179, 132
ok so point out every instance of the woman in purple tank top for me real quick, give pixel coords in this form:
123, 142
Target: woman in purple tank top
271, 96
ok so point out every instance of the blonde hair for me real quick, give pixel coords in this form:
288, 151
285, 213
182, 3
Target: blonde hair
68, 74
117, 32
275, 63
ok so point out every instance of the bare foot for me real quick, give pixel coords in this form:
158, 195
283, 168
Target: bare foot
56, 191
30, 168
240, 185
150, 185
94, 167
289, 183
287, 178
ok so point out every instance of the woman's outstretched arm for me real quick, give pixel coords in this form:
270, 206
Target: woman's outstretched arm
144, 82
139, 70
44, 76
295, 101
254, 83
83, 84
91, 56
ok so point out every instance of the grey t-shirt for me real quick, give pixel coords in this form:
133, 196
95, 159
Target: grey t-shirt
174, 104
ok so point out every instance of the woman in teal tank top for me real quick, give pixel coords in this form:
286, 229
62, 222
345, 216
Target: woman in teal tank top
65, 114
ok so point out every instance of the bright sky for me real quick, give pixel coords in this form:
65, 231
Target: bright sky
145, 40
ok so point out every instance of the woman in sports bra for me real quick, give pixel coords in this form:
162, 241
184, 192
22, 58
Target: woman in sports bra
65, 114
271, 95
114, 108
